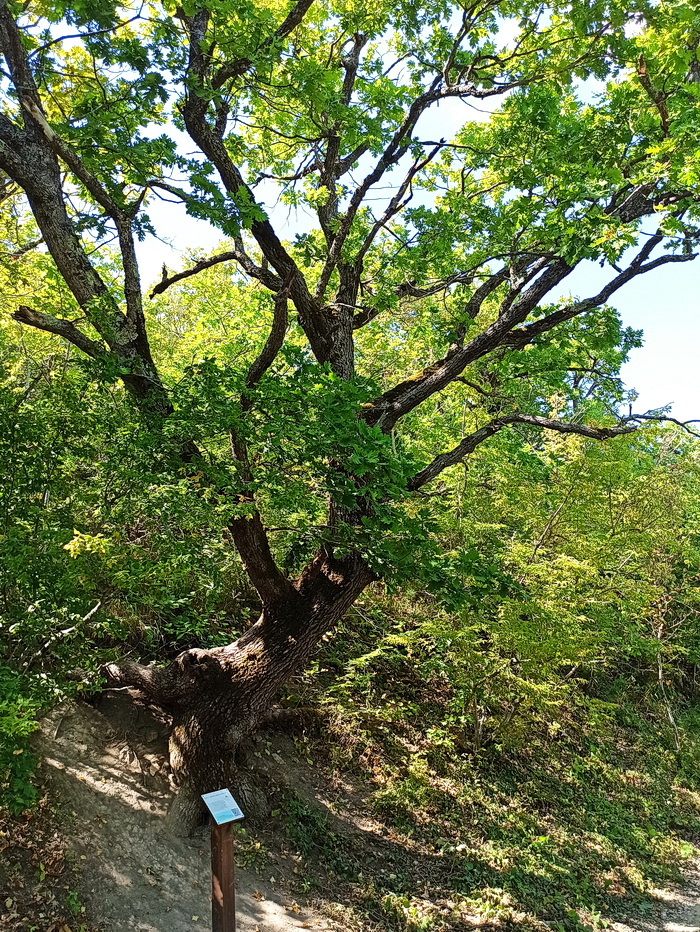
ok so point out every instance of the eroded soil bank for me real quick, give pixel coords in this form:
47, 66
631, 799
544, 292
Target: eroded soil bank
108, 768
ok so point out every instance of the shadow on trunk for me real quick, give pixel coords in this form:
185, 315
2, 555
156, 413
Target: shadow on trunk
219, 697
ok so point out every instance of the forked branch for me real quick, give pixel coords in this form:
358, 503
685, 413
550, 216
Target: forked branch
239, 255
472, 441
398, 401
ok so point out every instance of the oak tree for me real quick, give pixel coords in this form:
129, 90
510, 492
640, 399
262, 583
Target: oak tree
569, 135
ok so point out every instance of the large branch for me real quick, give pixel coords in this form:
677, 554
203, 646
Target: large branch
253, 547
71, 158
471, 442
62, 328
194, 110
27, 157
239, 255
121, 218
249, 534
31, 158
274, 342
389, 407
36, 170
522, 336
33, 111
404, 397
251, 540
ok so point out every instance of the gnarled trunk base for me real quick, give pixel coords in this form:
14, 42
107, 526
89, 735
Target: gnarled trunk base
218, 697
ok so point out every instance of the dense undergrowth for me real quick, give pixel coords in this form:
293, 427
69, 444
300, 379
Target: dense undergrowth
519, 798
568, 815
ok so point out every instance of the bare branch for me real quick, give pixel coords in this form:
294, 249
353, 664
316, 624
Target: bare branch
89, 34
524, 335
411, 290
200, 266
394, 152
266, 276
25, 248
63, 328
662, 418
397, 203
470, 443
444, 460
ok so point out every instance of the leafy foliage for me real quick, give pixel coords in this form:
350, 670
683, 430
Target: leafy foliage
531, 591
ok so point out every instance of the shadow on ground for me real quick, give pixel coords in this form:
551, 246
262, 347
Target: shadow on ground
107, 766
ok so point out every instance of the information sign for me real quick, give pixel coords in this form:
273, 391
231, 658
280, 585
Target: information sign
222, 806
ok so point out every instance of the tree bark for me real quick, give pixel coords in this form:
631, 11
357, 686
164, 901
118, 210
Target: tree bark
218, 697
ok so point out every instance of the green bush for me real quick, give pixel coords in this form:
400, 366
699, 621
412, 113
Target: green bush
18, 715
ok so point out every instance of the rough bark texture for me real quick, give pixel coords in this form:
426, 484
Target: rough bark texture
218, 697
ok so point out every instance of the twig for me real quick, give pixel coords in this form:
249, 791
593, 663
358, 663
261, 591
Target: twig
63, 633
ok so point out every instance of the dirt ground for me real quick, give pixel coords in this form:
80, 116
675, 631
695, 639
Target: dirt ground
96, 856
678, 909
107, 767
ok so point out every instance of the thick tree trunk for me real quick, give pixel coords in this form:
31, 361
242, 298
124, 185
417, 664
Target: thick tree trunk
218, 697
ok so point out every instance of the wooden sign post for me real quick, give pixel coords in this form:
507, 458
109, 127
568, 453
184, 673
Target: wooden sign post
224, 811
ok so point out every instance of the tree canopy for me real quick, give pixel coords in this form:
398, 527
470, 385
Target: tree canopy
309, 387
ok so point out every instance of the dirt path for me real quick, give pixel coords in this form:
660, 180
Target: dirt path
108, 766
678, 909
